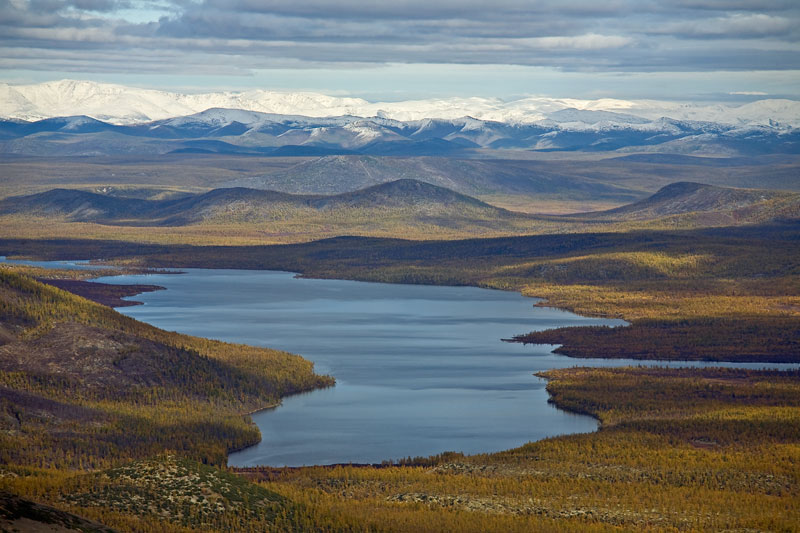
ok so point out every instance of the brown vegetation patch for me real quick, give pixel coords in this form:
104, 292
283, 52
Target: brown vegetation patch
19, 514
102, 293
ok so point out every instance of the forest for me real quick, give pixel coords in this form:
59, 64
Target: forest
86, 387
112, 424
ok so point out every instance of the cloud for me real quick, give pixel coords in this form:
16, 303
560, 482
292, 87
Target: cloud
414, 9
737, 5
589, 41
241, 35
737, 25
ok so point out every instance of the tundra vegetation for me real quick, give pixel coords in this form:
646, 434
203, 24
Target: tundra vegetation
109, 421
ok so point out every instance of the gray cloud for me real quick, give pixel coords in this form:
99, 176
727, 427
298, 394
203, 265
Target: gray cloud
737, 25
239, 35
738, 5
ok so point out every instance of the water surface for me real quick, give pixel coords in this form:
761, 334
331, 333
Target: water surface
420, 369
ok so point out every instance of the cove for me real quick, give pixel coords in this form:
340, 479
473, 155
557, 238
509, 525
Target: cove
420, 369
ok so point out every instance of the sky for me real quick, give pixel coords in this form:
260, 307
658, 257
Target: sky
697, 50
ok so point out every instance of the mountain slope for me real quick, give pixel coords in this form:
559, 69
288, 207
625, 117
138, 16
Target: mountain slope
76, 205
74, 372
403, 193
683, 198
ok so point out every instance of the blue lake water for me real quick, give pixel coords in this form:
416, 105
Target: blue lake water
419, 369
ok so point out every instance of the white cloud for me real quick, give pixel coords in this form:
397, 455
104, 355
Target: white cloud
588, 41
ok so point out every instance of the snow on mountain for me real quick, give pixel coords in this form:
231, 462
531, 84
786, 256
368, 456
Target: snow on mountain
119, 104
586, 116
218, 117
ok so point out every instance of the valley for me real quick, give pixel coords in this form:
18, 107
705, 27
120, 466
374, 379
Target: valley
399, 267
732, 431
111, 421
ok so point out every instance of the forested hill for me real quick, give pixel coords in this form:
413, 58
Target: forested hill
682, 198
411, 197
83, 385
407, 202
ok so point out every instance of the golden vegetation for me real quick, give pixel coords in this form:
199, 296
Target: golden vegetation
685, 450
727, 294
703, 450
83, 386
678, 450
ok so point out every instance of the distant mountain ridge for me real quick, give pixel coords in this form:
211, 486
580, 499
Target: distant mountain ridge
118, 104
235, 131
473, 177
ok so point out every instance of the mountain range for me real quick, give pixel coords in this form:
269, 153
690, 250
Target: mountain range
117, 104
235, 131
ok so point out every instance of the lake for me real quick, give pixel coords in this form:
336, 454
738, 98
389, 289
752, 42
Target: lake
420, 369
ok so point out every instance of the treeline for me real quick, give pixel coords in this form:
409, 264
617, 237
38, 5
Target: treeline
723, 295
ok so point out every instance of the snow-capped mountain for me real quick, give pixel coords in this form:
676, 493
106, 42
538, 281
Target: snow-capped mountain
121, 105
236, 131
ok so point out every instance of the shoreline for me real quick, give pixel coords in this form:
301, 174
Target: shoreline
107, 294
137, 289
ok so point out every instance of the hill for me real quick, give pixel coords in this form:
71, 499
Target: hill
71, 369
403, 193
475, 177
408, 207
706, 203
77, 205
408, 199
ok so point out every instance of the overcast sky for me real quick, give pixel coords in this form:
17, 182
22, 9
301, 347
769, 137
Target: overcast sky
397, 49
